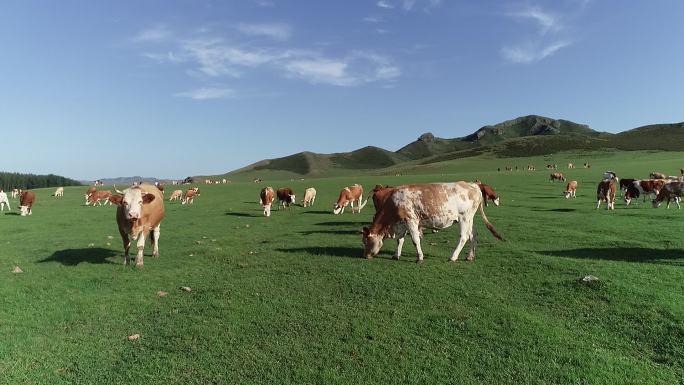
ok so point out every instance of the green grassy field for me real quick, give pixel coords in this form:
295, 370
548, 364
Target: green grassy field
287, 300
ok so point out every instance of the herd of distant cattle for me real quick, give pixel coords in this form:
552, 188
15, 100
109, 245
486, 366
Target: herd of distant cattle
399, 211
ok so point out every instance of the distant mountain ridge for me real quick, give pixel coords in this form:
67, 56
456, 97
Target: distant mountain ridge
522, 136
124, 180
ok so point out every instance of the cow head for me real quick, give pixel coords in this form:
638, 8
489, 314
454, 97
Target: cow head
132, 202
372, 243
25, 210
655, 203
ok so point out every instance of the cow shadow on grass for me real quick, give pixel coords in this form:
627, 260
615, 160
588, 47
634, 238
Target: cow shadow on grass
238, 214
12, 213
625, 254
318, 212
556, 210
341, 223
73, 257
342, 252
338, 232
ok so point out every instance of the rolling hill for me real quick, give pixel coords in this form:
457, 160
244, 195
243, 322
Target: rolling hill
524, 136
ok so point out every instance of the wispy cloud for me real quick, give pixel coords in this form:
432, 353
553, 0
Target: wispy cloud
372, 19
276, 31
264, 3
153, 34
546, 21
384, 4
529, 53
355, 69
409, 5
206, 93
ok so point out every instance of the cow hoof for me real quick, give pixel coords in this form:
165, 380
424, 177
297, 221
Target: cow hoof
139, 265
470, 259
156, 255
419, 261
395, 257
452, 260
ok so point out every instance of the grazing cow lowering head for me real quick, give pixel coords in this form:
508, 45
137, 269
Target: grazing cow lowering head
266, 198
488, 193
286, 196
669, 192
557, 176
26, 200
309, 197
571, 189
409, 209
348, 196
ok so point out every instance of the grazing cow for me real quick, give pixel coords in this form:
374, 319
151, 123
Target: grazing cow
257, 180
190, 195
610, 175
4, 201
643, 187
88, 193
176, 195
26, 200
15, 193
309, 197
225, 180
488, 193
672, 191
570, 165
348, 196
379, 194
286, 197
681, 170
409, 209
59, 192
139, 213
266, 198
571, 189
657, 175
97, 196
587, 165
557, 176
606, 192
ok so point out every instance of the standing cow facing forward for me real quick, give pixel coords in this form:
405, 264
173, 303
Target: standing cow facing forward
139, 214
409, 209
348, 196
606, 192
266, 198
26, 201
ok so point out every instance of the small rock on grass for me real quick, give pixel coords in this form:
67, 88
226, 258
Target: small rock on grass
17, 269
186, 288
134, 337
162, 293
589, 279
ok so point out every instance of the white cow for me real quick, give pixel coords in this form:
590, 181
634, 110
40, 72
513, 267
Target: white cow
59, 192
309, 197
4, 201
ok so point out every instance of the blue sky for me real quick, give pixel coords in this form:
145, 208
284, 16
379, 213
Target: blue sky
93, 89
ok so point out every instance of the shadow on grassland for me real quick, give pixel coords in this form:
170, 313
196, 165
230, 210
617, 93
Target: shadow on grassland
247, 215
626, 254
556, 210
343, 252
73, 257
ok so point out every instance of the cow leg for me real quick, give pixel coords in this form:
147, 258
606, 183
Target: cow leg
155, 241
415, 237
598, 204
400, 245
466, 228
126, 245
141, 248
473, 242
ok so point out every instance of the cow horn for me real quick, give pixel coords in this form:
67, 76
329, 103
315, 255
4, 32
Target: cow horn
117, 191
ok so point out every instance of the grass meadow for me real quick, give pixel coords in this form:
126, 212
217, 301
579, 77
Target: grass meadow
288, 300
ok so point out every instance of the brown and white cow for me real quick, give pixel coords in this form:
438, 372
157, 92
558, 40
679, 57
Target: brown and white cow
606, 192
488, 193
190, 195
348, 196
672, 191
657, 175
409, 209
643, 187
59, 192
97, 196
309, 197
557, 176
571, 189
139, 214
160, 186
89, 192
176, 195
266, 198
26, 201
379, 194
286, 197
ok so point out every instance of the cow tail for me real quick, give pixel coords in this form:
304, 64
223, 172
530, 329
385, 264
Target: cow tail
490, 227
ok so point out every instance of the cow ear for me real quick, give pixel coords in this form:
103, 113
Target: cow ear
147, 198
116, 199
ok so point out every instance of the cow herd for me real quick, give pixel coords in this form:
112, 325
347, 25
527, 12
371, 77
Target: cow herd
659, 187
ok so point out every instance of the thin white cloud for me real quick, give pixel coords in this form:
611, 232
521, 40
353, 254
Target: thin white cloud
372, 19
153, 34
355, 69
530, 52
321, 71
206, 93
264, 3
546, 21
276, 31
384, 4
407, 5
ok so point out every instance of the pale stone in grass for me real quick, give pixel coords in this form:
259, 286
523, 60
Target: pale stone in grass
134, 337
91, 245
109, 244
186, 288
162, 293
590, 279
17, 269
110, 237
